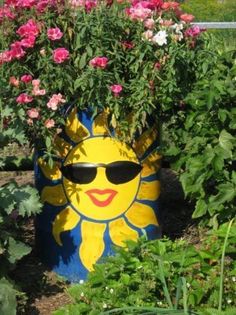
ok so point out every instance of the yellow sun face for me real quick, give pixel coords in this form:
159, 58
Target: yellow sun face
101, 199
107, 190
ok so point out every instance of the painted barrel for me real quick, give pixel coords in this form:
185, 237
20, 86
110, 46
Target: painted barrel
100, 192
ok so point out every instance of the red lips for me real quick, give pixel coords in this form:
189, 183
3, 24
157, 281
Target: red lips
101, 198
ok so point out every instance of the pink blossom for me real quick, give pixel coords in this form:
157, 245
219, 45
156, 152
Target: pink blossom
28, 29
33, 113
54, 33
42, 5
90, 4
5, 56
60, 55
36, 83
54, 101
127, 44
157, 65
116, 89
99, 62
25, 3
14, 81
16, 51
170, 5
5, 12
193, 31
150, 4
148, 35
49, 123
36, 91
188, 18
26, 78
139, 12
28, 42
24, 98
149, 23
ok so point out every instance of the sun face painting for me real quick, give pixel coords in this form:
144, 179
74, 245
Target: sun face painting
100, 192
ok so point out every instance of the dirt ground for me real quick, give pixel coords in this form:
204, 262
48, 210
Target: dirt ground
45, 291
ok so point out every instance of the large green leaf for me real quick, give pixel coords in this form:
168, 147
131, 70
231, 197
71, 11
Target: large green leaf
7, 298
16, 250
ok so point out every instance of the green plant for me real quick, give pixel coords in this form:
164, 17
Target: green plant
121, 56
16, 203
202, 148
161, 274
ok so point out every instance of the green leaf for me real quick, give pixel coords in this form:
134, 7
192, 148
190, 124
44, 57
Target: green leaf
200, 209
16, 250
82, 62
7, 298
226, 140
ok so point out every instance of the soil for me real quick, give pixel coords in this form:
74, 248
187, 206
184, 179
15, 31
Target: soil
44, 290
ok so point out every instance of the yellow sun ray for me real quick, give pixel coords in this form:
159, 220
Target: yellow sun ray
61, 146
54, 195
149, 190
151, 164
92, 245
52, 173
66, 220
141, 215
100, 125
74, 128
121, 232
145, 140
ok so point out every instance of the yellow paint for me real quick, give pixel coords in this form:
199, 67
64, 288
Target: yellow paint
143, 143
61, 146
74, 128
149, 190
92, 245
101, 150
100, 125
54, 195
53, 173
121, 232
66, 220
141, 215
151, 164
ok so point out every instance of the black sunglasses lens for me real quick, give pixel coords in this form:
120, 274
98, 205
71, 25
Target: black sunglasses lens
122, 172
79, 174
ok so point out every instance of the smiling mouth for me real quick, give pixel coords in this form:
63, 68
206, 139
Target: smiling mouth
101, 198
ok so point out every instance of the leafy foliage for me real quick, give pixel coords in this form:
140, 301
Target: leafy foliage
16, 202
151, 273
203, 147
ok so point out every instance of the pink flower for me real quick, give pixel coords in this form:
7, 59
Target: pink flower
33, 113
5, 56
193, 31
16, 51
26, 78
139, 12
14, 81
36, 83
49, 123
28, 42
148, 35
25, 3
36, 91
54, 33
149, 23
60, 55
170, 5
90, 4
24, 98
157, 65
54, 101
116, 89
188, 18
127, 44
5, 12
99, 62
28, 29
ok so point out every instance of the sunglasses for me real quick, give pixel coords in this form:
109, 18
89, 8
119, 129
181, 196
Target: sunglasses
118, 172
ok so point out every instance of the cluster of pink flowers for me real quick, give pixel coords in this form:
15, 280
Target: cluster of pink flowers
39, 5
55, 101
87, 4
193, 31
